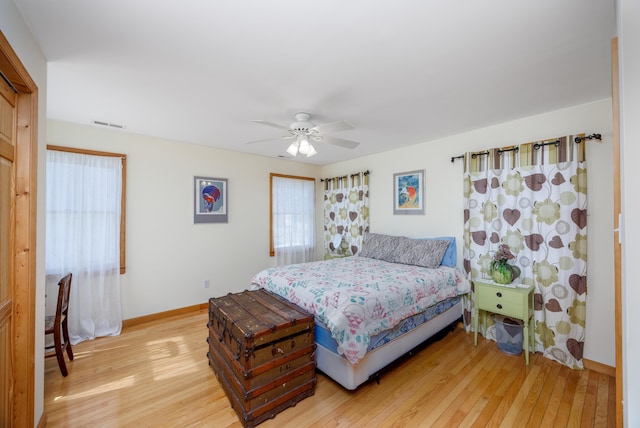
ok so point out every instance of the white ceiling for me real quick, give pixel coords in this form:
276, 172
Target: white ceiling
401, 72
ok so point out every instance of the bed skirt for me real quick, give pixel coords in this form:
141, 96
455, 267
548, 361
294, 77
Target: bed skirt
351, 376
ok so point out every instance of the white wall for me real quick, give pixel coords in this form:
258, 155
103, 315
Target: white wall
19, 36
629, 62
169, 257
443, 181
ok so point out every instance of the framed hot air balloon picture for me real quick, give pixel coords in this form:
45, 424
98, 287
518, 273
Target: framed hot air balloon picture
408, 192
210, 200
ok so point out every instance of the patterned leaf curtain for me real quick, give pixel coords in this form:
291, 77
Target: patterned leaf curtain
346, 211
534, 198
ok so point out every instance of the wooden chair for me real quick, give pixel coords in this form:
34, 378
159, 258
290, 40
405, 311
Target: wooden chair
57, 324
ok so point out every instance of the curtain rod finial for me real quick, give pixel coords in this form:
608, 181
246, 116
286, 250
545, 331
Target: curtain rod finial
588, 137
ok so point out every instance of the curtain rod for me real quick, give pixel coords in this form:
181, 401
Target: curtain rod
536, 146
512, 149
345, 176
589, 137
476, 154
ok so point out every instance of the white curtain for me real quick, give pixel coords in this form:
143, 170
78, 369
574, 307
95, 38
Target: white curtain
83, 237
293, 216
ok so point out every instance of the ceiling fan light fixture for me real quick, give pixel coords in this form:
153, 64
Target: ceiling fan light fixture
304, 145
305, 148
293, 148
312, 151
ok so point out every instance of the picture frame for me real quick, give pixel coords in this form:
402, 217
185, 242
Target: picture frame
408, 192
210, 200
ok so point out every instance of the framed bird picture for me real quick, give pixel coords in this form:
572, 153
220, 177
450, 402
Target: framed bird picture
210, 200
408, 192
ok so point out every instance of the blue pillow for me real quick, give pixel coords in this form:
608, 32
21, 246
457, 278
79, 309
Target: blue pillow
450, 256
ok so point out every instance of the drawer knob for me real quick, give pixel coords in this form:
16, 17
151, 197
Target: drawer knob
499, 306
499, 294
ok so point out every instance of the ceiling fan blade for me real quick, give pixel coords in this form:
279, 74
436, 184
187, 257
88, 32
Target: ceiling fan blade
340, 125
264, 139
347, 144
274, 125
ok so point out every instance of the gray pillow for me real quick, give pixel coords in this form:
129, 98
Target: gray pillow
427, 253
381, 247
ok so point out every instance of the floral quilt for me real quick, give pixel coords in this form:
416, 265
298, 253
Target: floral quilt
359, 297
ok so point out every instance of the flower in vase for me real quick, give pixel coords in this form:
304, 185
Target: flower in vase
501, 271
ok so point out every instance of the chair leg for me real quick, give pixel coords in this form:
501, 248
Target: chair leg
67, 343
59, 354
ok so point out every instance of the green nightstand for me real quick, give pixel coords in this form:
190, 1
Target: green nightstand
515, 301
335, 256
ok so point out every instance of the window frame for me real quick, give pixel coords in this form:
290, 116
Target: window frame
272, 251
123, 210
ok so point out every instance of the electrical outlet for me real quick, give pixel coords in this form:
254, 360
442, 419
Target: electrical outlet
205, 283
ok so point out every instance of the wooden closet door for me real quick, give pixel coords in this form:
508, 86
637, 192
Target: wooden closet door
7, 231
18, 227
615, 91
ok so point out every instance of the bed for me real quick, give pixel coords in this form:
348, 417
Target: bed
372, 308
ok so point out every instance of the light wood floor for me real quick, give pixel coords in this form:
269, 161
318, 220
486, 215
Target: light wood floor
156, 375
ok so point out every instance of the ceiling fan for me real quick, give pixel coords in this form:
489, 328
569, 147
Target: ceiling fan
303, 130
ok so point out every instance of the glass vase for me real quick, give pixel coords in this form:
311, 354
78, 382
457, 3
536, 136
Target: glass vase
502, 273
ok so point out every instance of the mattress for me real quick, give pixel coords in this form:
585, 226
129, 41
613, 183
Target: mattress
323, 334
357, 298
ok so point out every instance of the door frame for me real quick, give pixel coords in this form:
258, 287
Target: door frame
24, 275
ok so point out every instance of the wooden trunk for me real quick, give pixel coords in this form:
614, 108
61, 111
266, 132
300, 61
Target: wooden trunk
262, 351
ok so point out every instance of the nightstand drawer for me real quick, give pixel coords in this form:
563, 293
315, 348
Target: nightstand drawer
502, 300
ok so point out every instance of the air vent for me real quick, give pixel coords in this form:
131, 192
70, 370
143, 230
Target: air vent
109, 125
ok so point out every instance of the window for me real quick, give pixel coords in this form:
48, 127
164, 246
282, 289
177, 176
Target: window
85, 236
292, 219
67, 166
